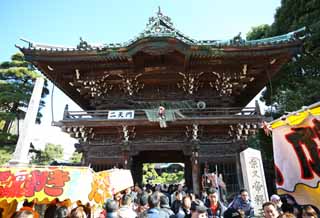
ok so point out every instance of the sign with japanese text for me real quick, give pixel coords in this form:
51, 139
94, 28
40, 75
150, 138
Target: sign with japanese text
121, 115
296, 146
253, 176
59, 182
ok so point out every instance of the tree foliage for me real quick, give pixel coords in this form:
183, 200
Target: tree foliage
76, 157
50, 153
259, 32
17, 79
150, 175
297, 84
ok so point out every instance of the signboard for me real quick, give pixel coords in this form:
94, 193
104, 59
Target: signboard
253, 177
296, 145
121, 115
19, 183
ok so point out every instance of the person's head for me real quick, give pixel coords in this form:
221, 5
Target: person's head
276, 199
126, 200
244, 194
178, 195
143, 199
287, 215
24, 214
213, 195
111, 206
270, 210
27, 203
78, 212
61, 212
233, 213
154, 200
128, 191
186, 202
164, 201
198, 209
308, 212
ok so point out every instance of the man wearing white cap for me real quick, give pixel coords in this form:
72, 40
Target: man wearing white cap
277, 200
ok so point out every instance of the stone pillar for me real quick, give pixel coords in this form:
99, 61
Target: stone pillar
254, 178
20, 155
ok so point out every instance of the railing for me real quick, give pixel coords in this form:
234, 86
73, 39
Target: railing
140, 114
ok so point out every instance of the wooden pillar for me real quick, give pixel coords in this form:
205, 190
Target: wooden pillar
136, 170
195, 172
188, 172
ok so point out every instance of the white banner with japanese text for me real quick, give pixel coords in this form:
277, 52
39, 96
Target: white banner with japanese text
296, 147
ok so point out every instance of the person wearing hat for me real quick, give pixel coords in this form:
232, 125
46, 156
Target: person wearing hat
277, 200
198, 209
215, 207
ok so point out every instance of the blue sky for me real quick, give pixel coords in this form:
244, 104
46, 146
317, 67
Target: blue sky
63, 22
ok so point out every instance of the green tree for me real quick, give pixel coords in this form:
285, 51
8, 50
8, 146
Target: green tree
259, 32
16, 84
297, 84
150, 175
50, 153
76, 157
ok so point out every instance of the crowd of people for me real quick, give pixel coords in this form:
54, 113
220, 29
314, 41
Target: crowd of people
175, 202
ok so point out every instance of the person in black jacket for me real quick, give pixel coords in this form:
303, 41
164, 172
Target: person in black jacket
215, 207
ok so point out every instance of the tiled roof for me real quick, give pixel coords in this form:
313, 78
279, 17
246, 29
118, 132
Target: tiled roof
161, 26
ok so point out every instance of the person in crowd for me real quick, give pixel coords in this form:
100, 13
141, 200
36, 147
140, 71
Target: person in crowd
309, 212
78, 212
131, 194
287, 215
270, 210
51, 209
203, 195
154, 208
242, 202
176, 204
198, 209
126, 209
179, 189
24, 214
29, 207
165, 207
111, 208
184, 210
233, 213
215, 207
277, 200
117, 197
142, 203
61, 212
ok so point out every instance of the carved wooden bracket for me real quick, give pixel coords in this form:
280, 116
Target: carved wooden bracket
225, 82
91, 87
242, 131
190, 82
130, 84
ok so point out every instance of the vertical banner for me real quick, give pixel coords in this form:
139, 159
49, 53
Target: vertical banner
296, 148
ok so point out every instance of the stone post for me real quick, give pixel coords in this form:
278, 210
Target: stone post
253, 177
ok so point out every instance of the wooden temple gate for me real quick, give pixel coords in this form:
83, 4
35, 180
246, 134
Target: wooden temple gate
202, 86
